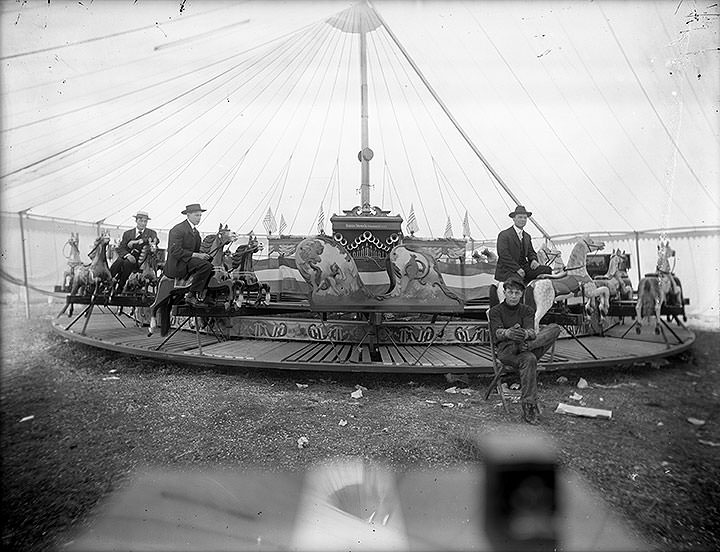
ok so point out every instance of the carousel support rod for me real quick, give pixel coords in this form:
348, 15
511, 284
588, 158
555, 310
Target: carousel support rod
455, 123
22, 214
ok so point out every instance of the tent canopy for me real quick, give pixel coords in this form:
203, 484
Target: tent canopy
598, 116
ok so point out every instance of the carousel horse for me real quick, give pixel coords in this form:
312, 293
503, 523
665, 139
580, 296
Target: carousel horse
219, 287
484, 256
243, 273
146, 277
573, 280
73, 258
616, 278
659, 288
94, 279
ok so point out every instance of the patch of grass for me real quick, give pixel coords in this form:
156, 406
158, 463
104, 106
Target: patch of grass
89, 433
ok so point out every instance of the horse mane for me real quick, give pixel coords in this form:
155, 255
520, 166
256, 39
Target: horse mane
207, 243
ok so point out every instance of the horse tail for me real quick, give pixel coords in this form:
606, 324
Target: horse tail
529, 297
647, 293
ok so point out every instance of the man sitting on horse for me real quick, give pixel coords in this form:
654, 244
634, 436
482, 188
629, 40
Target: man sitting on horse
184, 258
512, 325
130, 247
515, 251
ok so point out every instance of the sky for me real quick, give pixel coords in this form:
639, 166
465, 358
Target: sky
597, 116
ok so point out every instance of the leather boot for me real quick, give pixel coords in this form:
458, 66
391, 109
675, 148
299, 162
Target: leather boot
530, 413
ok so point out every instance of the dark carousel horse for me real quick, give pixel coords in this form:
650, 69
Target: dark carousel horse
219, 287
146, 277
243, 274
95, 278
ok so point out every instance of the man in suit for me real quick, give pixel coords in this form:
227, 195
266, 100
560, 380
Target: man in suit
130, 247
183, 255
515, 251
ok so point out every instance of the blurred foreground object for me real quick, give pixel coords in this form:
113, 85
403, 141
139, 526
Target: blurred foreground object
352, 504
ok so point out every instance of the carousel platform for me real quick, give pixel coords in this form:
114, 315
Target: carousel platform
313, 344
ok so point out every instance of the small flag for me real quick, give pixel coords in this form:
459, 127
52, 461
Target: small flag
466, 226
269, 222
321, 221
412, 225
448, 229
283, 225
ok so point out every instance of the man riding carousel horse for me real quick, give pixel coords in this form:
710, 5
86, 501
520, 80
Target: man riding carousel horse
130, 248
184, 258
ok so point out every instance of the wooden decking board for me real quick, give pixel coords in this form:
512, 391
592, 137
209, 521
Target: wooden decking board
463, 354
104, 331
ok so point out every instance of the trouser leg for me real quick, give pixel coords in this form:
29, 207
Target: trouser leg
544, 340
121, 270
532, 273
201, 271
526, 365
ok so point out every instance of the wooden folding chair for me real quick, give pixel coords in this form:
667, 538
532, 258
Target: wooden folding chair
499, 368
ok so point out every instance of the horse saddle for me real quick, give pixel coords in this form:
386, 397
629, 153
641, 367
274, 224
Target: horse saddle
567, 285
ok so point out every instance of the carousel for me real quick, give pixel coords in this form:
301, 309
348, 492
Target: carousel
369, 297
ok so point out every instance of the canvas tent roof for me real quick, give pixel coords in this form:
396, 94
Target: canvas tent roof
599, 116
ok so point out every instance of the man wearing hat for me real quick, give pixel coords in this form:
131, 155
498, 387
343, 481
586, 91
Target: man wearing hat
130, 248
184, 257
515, 251
512, 326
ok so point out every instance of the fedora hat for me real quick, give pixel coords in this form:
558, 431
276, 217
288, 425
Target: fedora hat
514, 280
142, 214
193, 207
520, 210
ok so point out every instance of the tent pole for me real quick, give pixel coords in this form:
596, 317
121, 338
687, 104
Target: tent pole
455, 123
637, 255
21, 214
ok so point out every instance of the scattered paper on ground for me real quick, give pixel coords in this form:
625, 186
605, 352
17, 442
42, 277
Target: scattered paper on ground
582, 383
695, 421
702, 442
356, 394
342, 423
301, 385
451, 390
575, 397
27, 418
448, 405
586, 412
111, 378
562, 379
302, 441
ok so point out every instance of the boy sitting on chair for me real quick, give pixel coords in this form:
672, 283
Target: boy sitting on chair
512, 325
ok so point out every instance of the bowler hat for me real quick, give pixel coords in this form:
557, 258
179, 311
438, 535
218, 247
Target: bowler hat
520, 210
514, 280
142, 214
192, 208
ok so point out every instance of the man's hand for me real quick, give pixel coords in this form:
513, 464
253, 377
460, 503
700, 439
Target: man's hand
203, 256
516, 333
130, 258
521, 272
534, 264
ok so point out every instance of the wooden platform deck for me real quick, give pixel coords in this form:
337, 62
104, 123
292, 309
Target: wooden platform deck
619, 347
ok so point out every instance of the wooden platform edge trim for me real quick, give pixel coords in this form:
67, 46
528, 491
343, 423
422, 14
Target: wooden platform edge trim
195, 358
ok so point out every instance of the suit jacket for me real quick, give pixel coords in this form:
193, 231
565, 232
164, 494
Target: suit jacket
513, 254
128, 236
182, 243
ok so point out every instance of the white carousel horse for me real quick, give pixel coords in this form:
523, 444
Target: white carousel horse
654, 290
615, 279
573, 280
73, 259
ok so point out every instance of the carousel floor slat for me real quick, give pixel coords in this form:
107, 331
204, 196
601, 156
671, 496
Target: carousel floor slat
104, 331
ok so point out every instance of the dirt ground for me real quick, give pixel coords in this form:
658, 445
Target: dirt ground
98, 417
